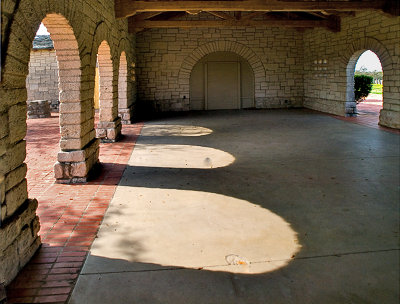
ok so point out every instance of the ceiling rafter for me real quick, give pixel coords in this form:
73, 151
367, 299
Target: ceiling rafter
327, 23
126, 8
222, 15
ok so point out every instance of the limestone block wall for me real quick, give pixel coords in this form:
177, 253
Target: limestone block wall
329, 60
42, 81
165, 58
77, 29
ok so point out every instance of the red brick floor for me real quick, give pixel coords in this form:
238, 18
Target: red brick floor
368, 115
70, 215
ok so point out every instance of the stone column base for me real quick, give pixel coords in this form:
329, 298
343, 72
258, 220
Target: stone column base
389, 119
351, 108
75, 166
38, 109
109, 131
126, 116
19, 240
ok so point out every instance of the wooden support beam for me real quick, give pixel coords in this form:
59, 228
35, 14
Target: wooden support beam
330, 24
318, 14
222, 15
144, 16
193, 12
126, 8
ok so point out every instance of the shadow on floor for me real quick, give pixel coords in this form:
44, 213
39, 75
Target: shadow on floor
333, 184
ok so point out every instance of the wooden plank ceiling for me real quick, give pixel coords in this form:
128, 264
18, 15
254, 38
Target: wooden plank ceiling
301, 14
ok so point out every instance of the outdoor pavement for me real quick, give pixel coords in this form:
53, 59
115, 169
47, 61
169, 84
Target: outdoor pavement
254, 206
220, 207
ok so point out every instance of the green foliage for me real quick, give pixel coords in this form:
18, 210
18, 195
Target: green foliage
377, 89
362, 86
375, 74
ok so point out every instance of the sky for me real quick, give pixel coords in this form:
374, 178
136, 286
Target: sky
42, 30
370, 61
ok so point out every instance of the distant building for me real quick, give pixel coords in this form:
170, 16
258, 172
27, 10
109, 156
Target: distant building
42, 81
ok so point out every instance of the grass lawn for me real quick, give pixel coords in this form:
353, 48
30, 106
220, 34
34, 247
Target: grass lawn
377, 89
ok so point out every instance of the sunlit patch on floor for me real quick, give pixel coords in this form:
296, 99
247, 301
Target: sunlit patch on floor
193, 229
180, 156
174, 130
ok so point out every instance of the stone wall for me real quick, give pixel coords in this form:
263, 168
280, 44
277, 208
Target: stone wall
165, 58
77, 29
42, 81
330, 60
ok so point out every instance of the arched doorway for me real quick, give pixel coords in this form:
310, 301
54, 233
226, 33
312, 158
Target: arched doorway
221, 80
365, 62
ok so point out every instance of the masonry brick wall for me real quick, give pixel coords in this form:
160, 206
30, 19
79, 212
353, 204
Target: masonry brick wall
163, 55
327, 56
77, 29
42, 81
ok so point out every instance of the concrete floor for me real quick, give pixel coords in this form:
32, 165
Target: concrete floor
251, 207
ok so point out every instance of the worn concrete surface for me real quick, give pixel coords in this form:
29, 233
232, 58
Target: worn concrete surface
251, 207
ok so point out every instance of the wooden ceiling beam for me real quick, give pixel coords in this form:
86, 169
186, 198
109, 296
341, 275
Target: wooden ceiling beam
318, 14
222, 15
331, 24
144, 16
126, 8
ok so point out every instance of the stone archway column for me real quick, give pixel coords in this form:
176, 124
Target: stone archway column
390, 114
124, 111
79, 147
109, 126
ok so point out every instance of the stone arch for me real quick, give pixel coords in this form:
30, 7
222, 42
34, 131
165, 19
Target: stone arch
351, 56
69, 74
109, 126
79, 152
220, 46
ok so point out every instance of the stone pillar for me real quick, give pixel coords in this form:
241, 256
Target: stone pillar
109, 131
38, 109
126, 115
109, 126
389, 119
351, 108
19, 224
75, 166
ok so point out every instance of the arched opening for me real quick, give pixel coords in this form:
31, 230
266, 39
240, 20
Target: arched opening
42, 84
53, 85
123, 86
221, 80
109, 125
365, 62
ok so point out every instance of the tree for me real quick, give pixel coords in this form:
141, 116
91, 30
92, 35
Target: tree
362, 87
